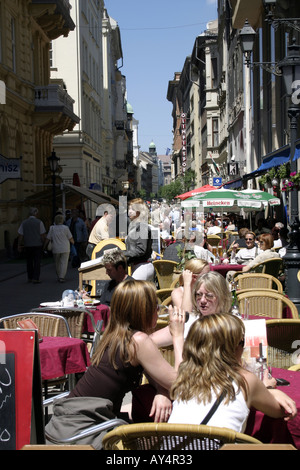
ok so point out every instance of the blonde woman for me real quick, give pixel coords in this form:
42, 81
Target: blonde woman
211, 370
123, 354
182, 295
210, 294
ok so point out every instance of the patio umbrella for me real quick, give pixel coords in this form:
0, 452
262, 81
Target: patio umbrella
193, 192
247, 199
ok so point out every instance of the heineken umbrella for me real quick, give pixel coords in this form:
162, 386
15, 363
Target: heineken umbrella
193, 192
226, 200
231, 200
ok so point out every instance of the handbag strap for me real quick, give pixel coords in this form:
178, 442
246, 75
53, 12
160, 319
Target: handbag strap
213, 409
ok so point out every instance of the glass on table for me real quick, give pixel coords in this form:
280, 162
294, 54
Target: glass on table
246, 309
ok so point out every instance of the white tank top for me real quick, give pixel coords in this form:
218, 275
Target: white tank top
232, 415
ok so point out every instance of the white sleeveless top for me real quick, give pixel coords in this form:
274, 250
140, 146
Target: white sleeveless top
232, 415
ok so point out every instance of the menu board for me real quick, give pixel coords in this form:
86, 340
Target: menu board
21, 417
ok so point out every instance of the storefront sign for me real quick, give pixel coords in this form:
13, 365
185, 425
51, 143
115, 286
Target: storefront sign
183, 142
10, 168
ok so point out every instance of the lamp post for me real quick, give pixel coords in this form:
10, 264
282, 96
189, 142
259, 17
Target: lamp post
53, 164
114, 185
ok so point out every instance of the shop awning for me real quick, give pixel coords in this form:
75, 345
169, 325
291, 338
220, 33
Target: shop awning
273, 159
71, 192
93, 195
234, 184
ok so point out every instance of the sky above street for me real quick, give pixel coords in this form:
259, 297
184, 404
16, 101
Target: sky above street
156, 37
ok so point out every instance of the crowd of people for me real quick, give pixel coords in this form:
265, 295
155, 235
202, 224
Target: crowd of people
207, 338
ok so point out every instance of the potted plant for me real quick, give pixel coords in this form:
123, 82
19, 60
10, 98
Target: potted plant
292, 182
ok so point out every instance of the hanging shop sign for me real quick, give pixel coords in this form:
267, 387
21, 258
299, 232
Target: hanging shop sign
10, 168
183, 142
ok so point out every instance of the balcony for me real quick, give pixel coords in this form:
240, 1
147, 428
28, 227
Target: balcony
243, 9
53, 16
54, 108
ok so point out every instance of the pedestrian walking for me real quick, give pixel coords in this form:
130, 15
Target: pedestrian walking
80, 236
99, 232
31, 237
60, 237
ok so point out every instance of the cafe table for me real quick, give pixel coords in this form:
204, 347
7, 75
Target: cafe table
223, 268
271, 430
100, 313
61, 355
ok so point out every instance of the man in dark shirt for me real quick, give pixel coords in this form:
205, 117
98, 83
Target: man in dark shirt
116, 268
171, 251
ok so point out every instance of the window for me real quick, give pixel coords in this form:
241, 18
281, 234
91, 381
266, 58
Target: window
13, 44
215, 132
214, 72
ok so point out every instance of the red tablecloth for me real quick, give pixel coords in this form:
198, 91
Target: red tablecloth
224, 268
270, 430
100, 312
62, 355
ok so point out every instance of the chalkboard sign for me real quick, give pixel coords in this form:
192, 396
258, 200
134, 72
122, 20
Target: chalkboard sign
21, 413
7, 404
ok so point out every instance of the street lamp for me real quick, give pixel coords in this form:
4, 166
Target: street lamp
247, 38
53, 164
114, 185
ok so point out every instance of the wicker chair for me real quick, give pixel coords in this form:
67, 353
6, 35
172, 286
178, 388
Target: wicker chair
165, 436
74, 317
266, 303
295, 367
283, 343
213, 240
257, 280
47, 324
271, 266
163, 294
164, 270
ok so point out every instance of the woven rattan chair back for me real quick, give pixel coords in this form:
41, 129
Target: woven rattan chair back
266, 303
258, 280
163, 294
271, 266
213, 240
283, 343
164, 270
175, 437
73, 316
47, 325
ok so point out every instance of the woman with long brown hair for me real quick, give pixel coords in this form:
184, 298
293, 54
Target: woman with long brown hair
124, 353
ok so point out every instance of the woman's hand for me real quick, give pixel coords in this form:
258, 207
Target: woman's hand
161, 408
269, 381
177, 321
288, 405
187, 277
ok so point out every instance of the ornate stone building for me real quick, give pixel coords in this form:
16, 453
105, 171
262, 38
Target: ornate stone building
35, 109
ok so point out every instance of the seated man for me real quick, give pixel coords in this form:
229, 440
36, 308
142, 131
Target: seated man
245, 255
171, 252
116, 268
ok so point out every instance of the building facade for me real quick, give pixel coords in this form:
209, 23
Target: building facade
35, 108
241, 111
